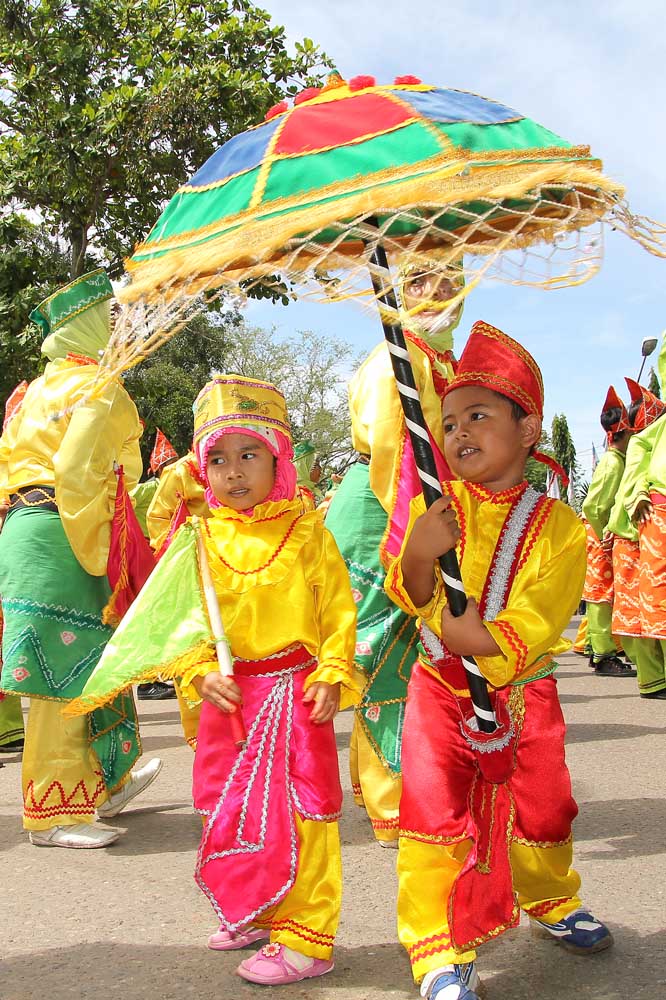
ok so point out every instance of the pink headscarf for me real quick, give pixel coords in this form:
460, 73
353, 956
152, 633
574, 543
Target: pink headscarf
279, 445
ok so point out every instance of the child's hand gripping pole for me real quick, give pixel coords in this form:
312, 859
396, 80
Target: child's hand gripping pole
221, 643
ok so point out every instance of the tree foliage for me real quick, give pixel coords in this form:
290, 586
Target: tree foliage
165, 386
107, 106
31, 265
308, 369
563, 446
653, 384
559, 445
312, 372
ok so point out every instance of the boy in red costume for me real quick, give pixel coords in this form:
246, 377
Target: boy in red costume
486, 820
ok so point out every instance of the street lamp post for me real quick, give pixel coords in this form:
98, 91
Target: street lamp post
647, 348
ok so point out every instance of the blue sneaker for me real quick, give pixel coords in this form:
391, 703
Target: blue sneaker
579, 932
455, 982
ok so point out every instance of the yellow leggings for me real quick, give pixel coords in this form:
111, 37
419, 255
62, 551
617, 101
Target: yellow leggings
307, 918
189, 717
546, 885
375, 789
11, 719
62, 779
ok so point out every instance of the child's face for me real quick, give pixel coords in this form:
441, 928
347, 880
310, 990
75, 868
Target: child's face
431, 292
483, 442
240, 470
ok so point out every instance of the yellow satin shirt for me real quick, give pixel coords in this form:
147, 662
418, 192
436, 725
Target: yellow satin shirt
74, 452
176, 483
546, 588
281, 580
378, 423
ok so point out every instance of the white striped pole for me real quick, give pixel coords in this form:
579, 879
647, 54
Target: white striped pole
427, 470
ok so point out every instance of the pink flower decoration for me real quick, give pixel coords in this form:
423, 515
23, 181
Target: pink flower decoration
271, 950
307, 94
68, 638
372, 713
127, 746
363, 648
361, 82
357, 595
277, 109
407, 81
20, 674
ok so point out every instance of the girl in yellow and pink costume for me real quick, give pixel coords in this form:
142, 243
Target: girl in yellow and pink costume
269, 859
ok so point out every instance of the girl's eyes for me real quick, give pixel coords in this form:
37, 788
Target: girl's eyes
478, 416
219, 460
448, 428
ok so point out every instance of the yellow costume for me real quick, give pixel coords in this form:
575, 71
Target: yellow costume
543, 596
56, 463
367, 515
70, 454
178, 482
378, 423
252, 559
485, 818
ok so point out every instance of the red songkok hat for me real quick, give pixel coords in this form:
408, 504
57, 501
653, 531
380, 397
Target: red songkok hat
495, 361
613, 402
651, 406
163, 452
13, 403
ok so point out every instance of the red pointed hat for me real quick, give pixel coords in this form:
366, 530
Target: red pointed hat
13, 403
163, 452
613, 402
651, 406
495, 361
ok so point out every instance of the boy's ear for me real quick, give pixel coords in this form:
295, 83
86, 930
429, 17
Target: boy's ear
530, 428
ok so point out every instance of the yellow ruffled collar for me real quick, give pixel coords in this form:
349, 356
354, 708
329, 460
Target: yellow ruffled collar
268, 511
257, 549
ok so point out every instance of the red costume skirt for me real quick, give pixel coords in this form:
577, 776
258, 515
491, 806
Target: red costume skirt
598, 586
626, 601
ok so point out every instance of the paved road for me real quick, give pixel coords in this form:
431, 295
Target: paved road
129, 924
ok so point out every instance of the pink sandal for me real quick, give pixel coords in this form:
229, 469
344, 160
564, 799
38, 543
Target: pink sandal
271, 967
226, 941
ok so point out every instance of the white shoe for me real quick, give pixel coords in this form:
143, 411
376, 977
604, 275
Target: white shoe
84, 836
138, 782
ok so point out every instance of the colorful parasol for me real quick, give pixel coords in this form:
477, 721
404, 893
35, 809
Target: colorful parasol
329, 193
430, 173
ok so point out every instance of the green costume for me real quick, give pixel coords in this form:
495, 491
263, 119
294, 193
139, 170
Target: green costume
142, 495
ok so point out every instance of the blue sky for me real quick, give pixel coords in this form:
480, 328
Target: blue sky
592, 72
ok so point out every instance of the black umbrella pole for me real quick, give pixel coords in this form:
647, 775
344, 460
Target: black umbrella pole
427, 470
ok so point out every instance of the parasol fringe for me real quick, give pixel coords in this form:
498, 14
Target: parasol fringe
253, 249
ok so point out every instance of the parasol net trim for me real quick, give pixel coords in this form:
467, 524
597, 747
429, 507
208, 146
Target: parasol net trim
549, 237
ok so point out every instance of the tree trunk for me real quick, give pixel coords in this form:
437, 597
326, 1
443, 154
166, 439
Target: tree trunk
79, 245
